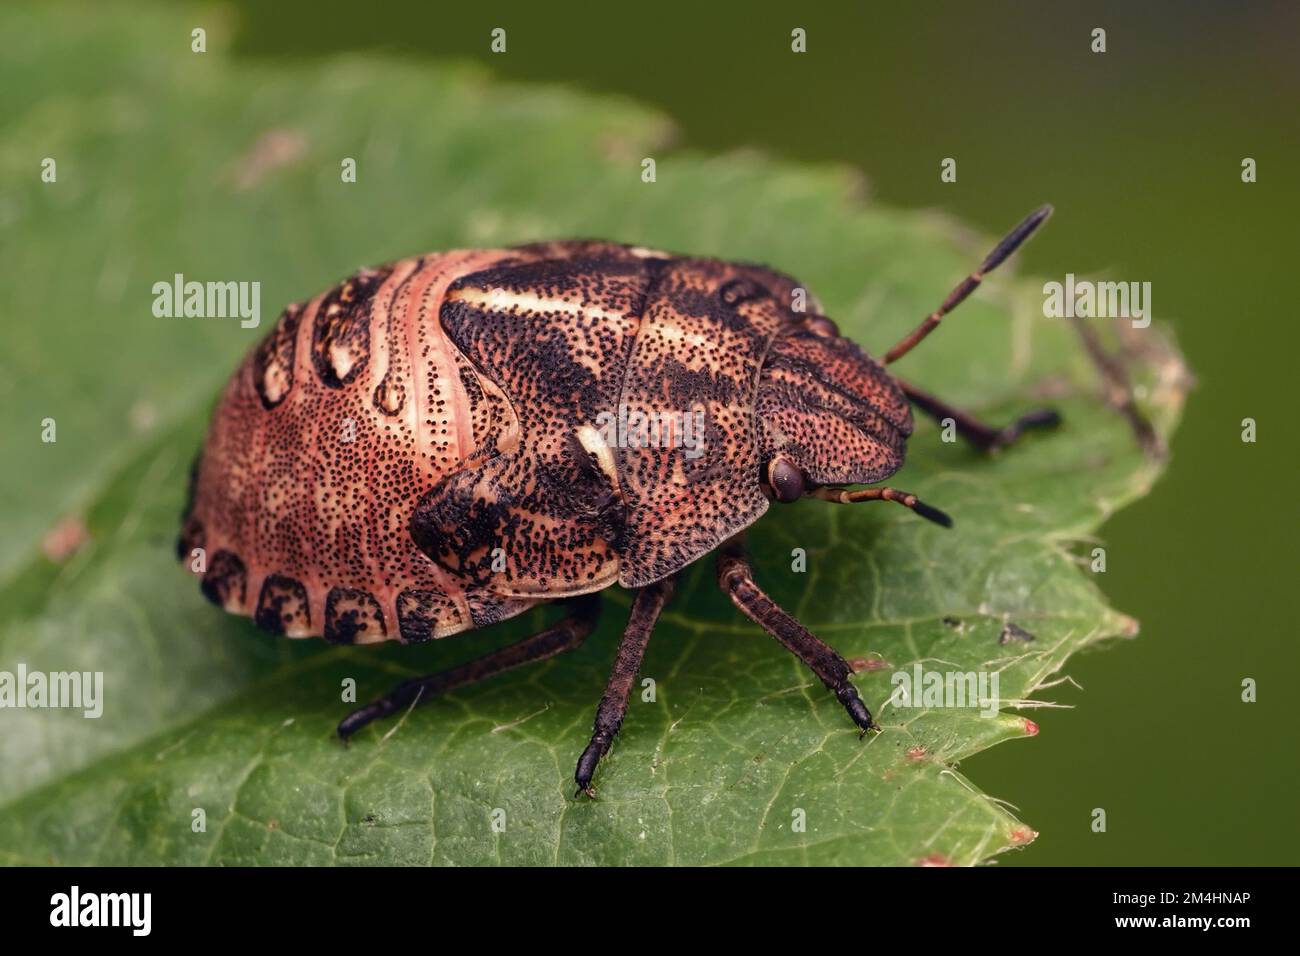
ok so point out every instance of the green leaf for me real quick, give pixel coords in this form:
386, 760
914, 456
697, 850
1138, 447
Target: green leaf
170, 161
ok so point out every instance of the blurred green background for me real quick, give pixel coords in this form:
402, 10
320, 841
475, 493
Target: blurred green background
1140, 150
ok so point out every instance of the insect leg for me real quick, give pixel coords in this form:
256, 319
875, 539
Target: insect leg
1010, 243
1119, 391
736, 578
565, 635
649, 602
982, 436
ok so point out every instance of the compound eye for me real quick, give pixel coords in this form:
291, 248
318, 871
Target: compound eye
786, 480
820, 325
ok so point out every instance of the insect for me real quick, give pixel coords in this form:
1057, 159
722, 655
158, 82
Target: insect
426, 449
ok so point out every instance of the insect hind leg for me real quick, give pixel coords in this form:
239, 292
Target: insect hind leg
565, 635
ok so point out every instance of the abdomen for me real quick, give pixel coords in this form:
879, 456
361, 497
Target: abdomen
324, 439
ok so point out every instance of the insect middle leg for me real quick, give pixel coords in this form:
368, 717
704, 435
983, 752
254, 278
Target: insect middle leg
736, 578
982, 436
563, 636
646, 607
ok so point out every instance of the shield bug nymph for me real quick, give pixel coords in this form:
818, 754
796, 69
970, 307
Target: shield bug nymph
414, 452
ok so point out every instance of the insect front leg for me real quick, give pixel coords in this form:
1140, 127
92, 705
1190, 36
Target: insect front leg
649, 602
736, 578
982, 436
563, 636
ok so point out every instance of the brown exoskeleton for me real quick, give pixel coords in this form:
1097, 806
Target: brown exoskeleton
425, 449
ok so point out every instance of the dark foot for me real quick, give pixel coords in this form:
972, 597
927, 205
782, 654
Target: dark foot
848, 696
383, 707
1041, 418
587, 764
